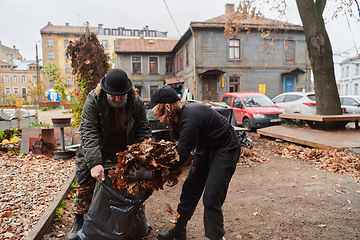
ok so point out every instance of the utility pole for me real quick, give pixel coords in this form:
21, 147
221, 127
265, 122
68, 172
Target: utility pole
37, 75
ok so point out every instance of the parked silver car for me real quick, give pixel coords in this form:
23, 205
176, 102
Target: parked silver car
350, 103
296, 102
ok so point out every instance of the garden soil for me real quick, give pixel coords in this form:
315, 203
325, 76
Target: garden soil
281, 198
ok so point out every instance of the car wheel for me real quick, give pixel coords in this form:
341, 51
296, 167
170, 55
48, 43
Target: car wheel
247, 124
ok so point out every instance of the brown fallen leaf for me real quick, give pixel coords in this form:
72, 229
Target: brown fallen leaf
322, 225
255, 212
349, 201
169, 209
241, 191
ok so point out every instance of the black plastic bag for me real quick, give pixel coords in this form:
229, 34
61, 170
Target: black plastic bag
115, 215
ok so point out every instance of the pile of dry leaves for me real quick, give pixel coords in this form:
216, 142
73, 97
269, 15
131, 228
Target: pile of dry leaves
152, 155
28, 185
337, 161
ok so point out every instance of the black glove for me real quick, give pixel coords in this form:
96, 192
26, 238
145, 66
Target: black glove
141, 173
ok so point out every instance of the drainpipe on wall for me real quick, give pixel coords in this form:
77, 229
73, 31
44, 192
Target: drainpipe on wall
194, 55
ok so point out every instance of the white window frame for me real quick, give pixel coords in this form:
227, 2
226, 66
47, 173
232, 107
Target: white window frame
232, 49
67, 68
51, 55
23, 78
7, 90
50, 43
33, 78
66, 43
68, 81
15, 78
7, 78
105, 44
357, 69
347, 71
356, 89
16, 90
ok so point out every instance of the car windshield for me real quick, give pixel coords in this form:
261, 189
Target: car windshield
357, 98
257, 101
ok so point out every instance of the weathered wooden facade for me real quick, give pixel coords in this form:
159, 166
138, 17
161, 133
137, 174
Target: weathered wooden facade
149, 62
269, 57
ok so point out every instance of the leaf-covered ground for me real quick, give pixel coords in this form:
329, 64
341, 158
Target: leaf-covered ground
28, 185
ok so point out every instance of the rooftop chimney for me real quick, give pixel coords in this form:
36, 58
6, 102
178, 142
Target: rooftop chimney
100, 25
229, 8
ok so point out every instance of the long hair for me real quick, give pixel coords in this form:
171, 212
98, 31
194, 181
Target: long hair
170, 117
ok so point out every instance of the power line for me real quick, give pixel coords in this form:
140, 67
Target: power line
352, 35
172, 18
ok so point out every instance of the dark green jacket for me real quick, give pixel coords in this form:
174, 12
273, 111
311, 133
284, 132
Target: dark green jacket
95, 126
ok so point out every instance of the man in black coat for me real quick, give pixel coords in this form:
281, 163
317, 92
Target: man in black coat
113, 117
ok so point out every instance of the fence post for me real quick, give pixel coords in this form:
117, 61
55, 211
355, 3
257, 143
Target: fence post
19, 117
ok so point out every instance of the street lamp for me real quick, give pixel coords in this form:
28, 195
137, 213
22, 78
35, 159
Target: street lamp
37, 72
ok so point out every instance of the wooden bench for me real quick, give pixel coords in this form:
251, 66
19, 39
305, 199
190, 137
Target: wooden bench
320, 120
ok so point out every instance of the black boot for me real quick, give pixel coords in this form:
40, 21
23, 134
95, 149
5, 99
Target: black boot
174, 233
178, 232
77, 225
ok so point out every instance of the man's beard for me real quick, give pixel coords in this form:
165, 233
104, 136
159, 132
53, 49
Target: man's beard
117, 104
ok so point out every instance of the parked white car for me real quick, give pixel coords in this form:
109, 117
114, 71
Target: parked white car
296, 102
350, 103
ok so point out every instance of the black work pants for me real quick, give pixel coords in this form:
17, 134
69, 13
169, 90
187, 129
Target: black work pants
209, 173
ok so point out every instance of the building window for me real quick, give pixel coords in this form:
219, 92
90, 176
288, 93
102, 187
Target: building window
50, 43
66, 43
153, 65
105, 44
33, 78
67, 57
169, 65
7, 78
136, 65
347, 71
136, 32
153, 88
356, 89
357, 68
106, 31
127, 32
23, 92
68, 81
51, 55
187, 55
234, 84
289, 51
115, 32
51, 82
15, 78
7, 91
23, 78
152, 33
16, 91
234, 49
67, 68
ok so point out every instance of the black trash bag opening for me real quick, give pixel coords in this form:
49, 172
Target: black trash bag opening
114, 214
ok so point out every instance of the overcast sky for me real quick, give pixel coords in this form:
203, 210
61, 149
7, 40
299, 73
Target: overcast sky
22, 20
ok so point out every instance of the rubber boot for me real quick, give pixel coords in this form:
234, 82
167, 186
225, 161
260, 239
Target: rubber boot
178, 232
77, 225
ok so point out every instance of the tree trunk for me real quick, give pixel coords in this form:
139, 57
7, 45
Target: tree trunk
320, 53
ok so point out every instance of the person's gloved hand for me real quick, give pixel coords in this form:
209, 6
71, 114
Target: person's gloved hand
141, 173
